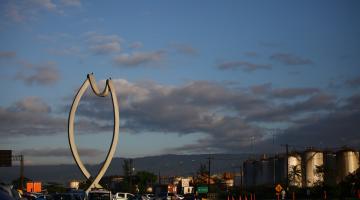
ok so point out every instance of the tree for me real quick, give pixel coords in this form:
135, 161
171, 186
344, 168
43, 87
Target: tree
145, 179
295, 175
202, 174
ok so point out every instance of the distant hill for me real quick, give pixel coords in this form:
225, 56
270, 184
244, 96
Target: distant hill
165, 164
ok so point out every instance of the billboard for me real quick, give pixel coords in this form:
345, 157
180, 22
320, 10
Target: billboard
5, 158
33, 186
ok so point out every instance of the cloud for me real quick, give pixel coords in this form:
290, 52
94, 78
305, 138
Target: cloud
287, 112
336, 129
289, 59
101, 44
46, 4
106, 48
66, 51
31, 104
7, 54
60, 152
75, 3
43, 74
293, 92
139, 58
185, 49
21, 11
33, 117
243, 65
136, 45
251, 54
354, 83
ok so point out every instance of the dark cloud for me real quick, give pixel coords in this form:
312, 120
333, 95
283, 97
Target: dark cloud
230, 119
283, 93
31, 104
243, 65
355, 82
294, 92
139, 58
286, 112
251, 54
32, 117
290, 59
336, 129
7, 54
59, 152
44, 74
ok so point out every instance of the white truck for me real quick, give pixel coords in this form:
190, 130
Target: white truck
123, 196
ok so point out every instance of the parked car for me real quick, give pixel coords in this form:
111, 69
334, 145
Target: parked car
149, 196
123, 196
63, 196
8, 192
99, 195
44, 197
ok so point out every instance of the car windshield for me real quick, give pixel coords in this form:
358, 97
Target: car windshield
99, 196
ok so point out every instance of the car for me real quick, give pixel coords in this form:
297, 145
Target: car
44, 197
149, 196
63, 196
7, 191
100, 195
123, 196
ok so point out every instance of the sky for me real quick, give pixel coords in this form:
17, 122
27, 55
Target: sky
191, 76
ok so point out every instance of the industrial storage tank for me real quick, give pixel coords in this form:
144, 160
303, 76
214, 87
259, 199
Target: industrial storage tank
347, 161
249, 173
263, 172
294, 169
329, 168
314, 167
280, 168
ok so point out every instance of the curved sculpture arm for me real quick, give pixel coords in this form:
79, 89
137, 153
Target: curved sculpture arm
108, 88
95, 88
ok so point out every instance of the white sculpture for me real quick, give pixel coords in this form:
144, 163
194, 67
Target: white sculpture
108, 88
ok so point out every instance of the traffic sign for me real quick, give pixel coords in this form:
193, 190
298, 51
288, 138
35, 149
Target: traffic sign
202, 189
278, 188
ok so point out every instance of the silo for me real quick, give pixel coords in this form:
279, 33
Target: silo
257, 172
294, 169
347, 161
329, 168
280, 166
314, 167
249, 173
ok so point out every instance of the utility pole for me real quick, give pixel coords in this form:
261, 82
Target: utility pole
209, 160
21, 159
287, 165
21, 171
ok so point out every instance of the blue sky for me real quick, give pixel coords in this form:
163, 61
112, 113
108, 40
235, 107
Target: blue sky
191, 76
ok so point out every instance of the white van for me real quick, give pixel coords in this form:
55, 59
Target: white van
99, 195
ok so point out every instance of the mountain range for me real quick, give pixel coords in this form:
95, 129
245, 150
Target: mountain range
165, 165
